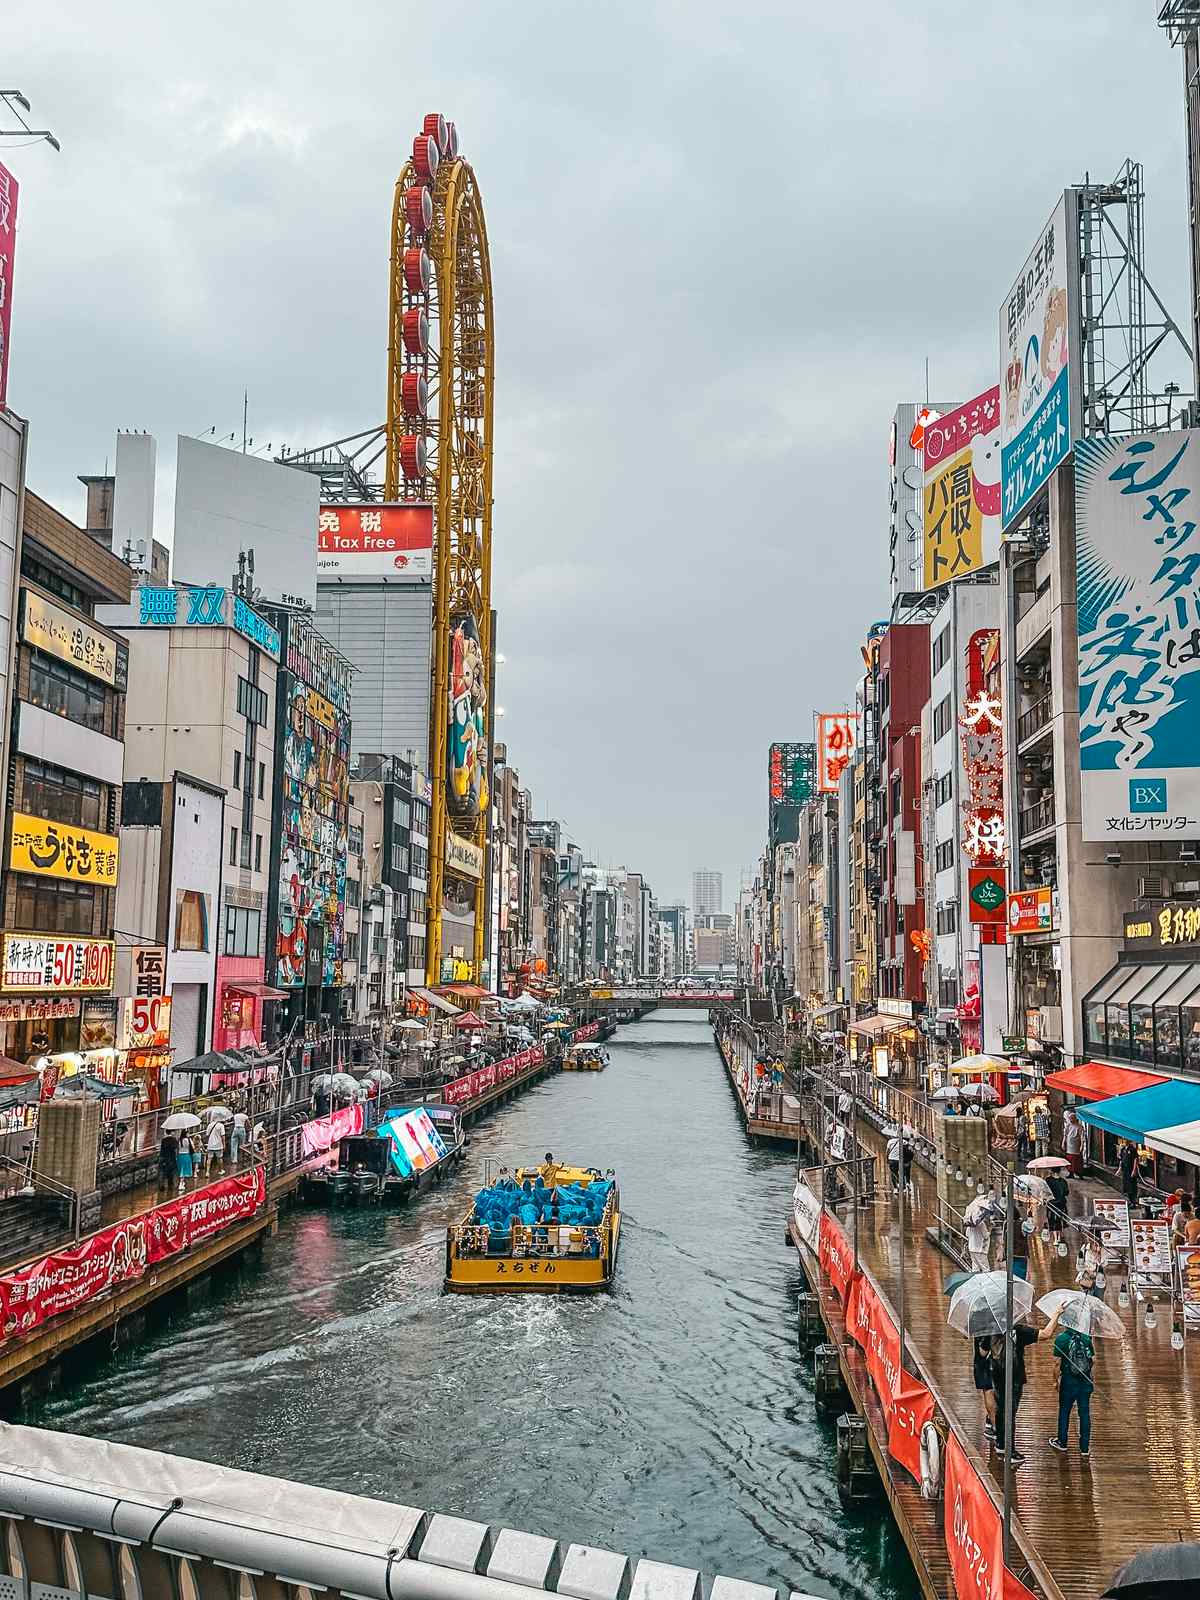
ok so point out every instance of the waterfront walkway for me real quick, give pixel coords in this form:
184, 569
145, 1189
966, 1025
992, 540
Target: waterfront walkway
1142, 1483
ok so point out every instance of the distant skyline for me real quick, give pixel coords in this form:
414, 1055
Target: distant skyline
707, 892
717, 271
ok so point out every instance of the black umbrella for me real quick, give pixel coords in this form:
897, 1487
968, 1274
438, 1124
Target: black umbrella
1160, 1572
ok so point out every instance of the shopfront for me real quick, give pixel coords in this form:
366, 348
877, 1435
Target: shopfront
1146, 1010
33, 1028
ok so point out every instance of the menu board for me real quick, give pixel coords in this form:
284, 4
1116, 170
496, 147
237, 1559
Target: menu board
1151, 1250
1115, 1216
1188, 1256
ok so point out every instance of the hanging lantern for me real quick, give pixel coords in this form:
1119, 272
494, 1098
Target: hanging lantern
435, 126
418, 209
425, 157
418, 269
414, 395
416, 331
450, 149
412, 455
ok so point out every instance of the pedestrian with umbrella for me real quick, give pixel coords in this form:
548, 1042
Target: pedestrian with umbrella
182, 1123
979, 1310
1080, 1319
1160, 1572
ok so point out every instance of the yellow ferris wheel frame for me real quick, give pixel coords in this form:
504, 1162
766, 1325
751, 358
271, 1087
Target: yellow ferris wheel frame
457, 432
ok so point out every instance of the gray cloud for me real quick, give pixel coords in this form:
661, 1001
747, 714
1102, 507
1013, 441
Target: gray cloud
723, 246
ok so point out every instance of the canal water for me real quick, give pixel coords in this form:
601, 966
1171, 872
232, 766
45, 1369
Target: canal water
673, 1418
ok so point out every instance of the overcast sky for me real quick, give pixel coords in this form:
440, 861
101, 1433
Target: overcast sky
724, 240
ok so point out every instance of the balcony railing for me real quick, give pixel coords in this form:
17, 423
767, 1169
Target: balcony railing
1035, 719
1036, 817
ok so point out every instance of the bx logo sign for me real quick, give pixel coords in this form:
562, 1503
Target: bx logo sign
1147, 794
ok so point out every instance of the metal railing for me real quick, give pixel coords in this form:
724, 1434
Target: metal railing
1035, 719
1037, 816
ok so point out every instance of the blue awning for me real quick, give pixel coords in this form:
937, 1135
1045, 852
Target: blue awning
1133, 1116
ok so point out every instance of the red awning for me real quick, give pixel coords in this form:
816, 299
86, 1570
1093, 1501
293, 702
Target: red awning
469, 1020
1095, 1080
256, 991
466, 991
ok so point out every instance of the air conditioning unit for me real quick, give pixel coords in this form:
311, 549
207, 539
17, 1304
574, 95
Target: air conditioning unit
1152, 887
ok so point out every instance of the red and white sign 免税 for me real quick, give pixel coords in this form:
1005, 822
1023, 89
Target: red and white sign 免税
375, 541
8, 254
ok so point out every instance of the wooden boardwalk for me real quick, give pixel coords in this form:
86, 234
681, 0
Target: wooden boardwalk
1142, 1483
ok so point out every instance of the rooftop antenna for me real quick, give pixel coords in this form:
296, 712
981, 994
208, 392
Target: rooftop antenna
926, 380
245, 413
14, 102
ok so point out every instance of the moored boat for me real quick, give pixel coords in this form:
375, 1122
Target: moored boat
412, 1149
552, 1229
587, 1057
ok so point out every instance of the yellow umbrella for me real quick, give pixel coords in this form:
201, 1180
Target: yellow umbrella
971, 1066
550, 1026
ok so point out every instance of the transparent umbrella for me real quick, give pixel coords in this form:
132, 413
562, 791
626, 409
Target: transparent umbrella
982, 1207
1083, 1313
218, 1113
180, 1120
380, 1076
322, 1082
978, 1307
983, 1092
343, 1084
1030, 1187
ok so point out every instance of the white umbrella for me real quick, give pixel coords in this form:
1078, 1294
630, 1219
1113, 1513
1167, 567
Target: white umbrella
1083, 1313
180, 1120
979, 1306
982, 1208
1030, 1187
220, 1113
410, 1025
1048, 1164
949, 1092
979, 1091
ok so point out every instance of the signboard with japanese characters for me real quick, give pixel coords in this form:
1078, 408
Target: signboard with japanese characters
837, 736
962, 490
146, 1024
149, 971
1137, 500
80, 644
1031, 911
981, 737
462, 855
58, 850
790, 773
1171, 923
38, 1010
1039, 361
375, 541
205, 607
58, 964
8, 256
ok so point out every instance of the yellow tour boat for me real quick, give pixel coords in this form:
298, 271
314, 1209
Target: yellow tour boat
585, 1057
552, 1229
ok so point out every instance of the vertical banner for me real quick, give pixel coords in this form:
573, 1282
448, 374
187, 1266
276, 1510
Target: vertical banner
837, 736
8, 255
974, 1534
1136, 503
962, 490
835, 1254
1039, 356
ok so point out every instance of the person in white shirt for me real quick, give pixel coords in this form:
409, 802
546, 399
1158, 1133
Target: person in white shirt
238, 1135
979, 1242
214, 1150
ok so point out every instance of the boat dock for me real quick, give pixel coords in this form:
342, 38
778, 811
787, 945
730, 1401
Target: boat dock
769, 1113
1074, 1522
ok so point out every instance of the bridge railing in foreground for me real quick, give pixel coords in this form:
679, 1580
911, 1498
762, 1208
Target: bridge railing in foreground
85, 1517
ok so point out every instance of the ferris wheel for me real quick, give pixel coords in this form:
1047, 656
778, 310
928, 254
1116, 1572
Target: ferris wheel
439, 451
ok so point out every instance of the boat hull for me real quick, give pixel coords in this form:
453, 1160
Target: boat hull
533, 1274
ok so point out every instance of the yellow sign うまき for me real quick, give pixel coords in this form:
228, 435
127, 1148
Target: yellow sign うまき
61, 850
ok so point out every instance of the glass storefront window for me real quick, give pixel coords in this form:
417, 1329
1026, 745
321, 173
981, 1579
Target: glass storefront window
1117, 1008
1141, 1012
1096, 1033
1170, 1026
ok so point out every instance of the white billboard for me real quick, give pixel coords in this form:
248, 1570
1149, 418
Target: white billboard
226, 502
1039, 361
1138, 593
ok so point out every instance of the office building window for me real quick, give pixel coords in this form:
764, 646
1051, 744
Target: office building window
417, 903
62, 796
947, 917
45, 906
416, 950
258, 852
243, 930
351, 947
233, 847
399, 858
244, 851
237, 770
944, 855
262, 779
191, 919
355, 841
941, 719
420, 861
37, 572
402, 813
353, 892
941, 649
251, 702
58, 688
943, 789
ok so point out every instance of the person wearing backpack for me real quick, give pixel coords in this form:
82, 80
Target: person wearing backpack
1076, 1353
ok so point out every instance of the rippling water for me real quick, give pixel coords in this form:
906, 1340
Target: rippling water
672, 1418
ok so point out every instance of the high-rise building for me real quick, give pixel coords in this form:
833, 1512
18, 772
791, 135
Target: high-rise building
707, 896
